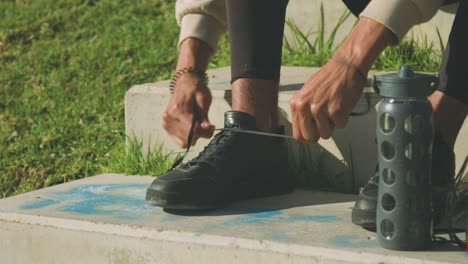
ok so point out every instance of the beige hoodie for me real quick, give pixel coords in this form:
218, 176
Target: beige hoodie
206, 19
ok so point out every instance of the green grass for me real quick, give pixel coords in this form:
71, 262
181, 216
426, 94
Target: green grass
65, 66
130, 159
300, 50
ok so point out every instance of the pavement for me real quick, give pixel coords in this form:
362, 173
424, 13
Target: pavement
104, 219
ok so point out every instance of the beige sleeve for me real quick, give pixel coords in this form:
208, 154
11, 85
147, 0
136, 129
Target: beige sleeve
201, 19
400, 15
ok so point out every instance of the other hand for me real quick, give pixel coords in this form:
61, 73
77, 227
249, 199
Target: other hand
325, 101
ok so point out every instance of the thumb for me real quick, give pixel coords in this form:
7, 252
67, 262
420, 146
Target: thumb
203, 102
205, 128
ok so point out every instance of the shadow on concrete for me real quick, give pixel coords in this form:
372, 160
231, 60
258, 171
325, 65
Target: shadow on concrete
317, 166
348, 160
442, 244
298, 198
445, 245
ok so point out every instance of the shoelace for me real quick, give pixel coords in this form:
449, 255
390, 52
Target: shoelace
206, 155
179, 160
220, 136
451, 201
375, 178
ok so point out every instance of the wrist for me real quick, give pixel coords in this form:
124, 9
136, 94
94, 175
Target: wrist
189, 78
364, 44
193, 53
359, 72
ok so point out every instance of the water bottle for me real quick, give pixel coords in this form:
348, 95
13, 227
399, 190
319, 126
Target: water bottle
405, 133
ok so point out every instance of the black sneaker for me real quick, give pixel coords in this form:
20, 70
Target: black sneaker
233, 166
364, 211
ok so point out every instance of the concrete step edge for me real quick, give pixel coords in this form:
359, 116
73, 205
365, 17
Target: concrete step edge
320, 254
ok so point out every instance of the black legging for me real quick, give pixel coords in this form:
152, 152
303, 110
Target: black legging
454, 70
256, 33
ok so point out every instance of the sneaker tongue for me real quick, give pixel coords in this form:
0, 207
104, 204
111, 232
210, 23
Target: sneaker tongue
239, 119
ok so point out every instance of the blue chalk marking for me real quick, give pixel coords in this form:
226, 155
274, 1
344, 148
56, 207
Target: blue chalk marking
276, 216
317, 218
264, 218
39, 204
259, 217
122, 201
352, 241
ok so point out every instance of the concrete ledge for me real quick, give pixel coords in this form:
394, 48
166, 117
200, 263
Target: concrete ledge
332, 160
104, 219
345, 162
105, 243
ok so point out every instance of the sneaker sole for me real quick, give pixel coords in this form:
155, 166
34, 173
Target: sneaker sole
364, 218
176, 201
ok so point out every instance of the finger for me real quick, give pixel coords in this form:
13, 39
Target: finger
202, 130
203, 102
338, 117
308, 127
203, 126
208, 129
207, 125
297, 129
182, 142
180, 138
178, 128
296, 132
323, 123
178, 119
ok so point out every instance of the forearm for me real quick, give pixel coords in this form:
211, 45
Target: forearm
204, 20
194, 53
365, 43
400, 15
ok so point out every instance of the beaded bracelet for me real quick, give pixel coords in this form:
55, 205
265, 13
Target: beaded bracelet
199, 73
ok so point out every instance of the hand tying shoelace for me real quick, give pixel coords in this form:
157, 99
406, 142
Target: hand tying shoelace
179, 160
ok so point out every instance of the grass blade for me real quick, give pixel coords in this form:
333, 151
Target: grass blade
321, 28
341, 20
441, 42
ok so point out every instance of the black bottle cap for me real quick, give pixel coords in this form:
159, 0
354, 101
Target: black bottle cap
405, 84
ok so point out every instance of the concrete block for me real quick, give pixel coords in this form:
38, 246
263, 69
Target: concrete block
305, 14
104, 219
345, 162
333, 159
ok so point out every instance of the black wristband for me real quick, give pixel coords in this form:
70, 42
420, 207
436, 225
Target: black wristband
356, 68
197, 72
